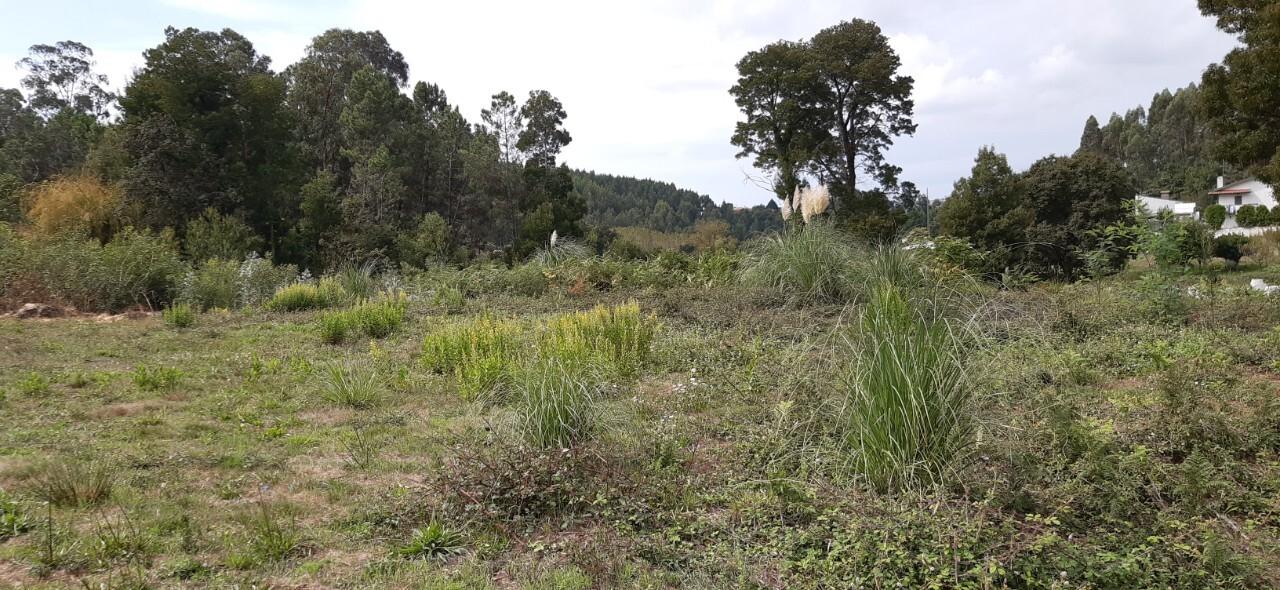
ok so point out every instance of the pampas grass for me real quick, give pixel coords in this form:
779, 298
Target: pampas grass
810, 264
907, 403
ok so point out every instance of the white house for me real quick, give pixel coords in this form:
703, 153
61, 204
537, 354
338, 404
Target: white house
1238, 194
1157, 205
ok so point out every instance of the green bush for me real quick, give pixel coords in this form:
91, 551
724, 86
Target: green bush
259, 280
376, 319
358, 281
479, 354
1215, 215
335, 327
907, 401
307, 296
149, 379
1230, 247
213, 285
179, 315
621, 336
427, 244
1253, 216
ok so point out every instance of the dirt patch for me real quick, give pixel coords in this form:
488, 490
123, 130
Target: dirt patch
127, 409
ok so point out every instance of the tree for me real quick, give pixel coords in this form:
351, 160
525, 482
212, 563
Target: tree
775, 90
318, 86
61, 77
1091, 139
209, 129
1242, 94
544, 135
505, 120
214, 235
1068, 200
984, 209
865, 104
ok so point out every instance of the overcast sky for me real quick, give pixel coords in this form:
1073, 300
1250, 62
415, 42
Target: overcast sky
646, 83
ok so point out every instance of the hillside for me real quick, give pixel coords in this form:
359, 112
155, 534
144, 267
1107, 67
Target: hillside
622, 201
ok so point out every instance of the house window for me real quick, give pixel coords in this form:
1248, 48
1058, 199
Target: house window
1239, 199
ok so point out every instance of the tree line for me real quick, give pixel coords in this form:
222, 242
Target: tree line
622, 201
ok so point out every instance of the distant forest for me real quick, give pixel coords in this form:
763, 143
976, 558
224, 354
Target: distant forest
621, 201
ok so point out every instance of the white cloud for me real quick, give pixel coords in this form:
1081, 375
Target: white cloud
243, 10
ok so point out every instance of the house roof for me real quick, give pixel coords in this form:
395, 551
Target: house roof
1231, 191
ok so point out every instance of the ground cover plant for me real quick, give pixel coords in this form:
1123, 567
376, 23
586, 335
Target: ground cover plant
896, 424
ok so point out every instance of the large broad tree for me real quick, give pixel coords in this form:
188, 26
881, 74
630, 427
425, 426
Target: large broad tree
62, 77
1067, 200
984, 208
775, 91
866, 104
830, 107
318, 86
208, 128
1242, 94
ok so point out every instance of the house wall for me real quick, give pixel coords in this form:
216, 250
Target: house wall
1259, 194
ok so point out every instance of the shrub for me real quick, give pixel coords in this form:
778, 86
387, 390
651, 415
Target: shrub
622, 335
352, 386
83, 205
1253, 216
34, 384
1230, 247
74, 483
133, 268
450, 299
335, 327
560, 251
906, 414
306, 296
803, 265
1215, 215
435, 541
10, 203
213, 285
214, 235
382, 317
479, 354
259, 279
179, 315
555, 403
377, 319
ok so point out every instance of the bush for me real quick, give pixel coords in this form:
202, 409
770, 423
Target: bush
358, 281
259, 279
1215, 215
214, 235
83, 205
179, 315
10, 203
1230, 247
376, 319
307, 296
906, 414
214, 284
803, 265
621, 335
1253, 216
479, 354
149, 379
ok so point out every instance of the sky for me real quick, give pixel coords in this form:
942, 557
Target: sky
645, 83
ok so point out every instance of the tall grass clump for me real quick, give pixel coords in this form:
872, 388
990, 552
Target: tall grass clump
325, 293
74, 483
555, 403
479, 353
906, 414
560, 251
360, 281
352, 386
811, 264
621, 336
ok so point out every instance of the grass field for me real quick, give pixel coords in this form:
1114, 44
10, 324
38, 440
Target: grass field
1119, 434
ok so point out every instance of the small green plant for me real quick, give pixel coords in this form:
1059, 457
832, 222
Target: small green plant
14, 519
149, 379
622, 335
351, 385
358, 281
272, 536
74, 483
179, 315
435, 541
479, 354
361, 449
382, 317
34, 384
121, 540
906, 415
